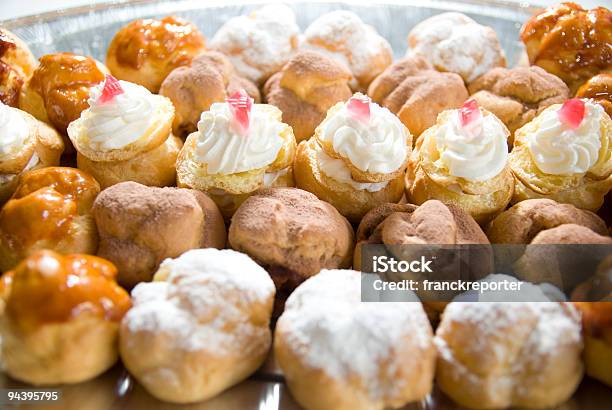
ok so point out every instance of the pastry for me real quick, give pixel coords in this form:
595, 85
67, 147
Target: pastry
140, 226
307, 86
239, 147
59, 88
145, 51
16, 65
200, 328
292, 234
61, 318
342, 35
599, 88
338, 353
260, 43
193, 88
501, 355
49, 210
463, 161
356, 159
517, 95
417, 93
564, 154
126, 135
570, 42
455, 43
25, 144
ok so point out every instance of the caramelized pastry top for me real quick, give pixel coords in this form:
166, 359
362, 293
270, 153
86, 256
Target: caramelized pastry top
16, 65
599, 88
48, 287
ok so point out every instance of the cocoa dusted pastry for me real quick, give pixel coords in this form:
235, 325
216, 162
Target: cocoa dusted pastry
599, 88
16, 65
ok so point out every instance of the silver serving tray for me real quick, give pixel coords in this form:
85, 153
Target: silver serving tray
88, 30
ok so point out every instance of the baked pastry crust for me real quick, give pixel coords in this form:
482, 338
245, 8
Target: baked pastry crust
145, 51
413, 90
599, 88
307, 86
61, 318
570, 42
16, 65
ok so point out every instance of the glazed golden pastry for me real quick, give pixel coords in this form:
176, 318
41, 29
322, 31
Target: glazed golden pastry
463, 161
570, 42
453, 42
59, 88
126, 135
193, 88
417, 93
204, 321
140, 226
565, 154
517, 95
145, 51
16, 65
356, 159
239, 147
599, 88
338, 353
25, 143
260, 43
307, 86
49, 210
61, 318
342, 35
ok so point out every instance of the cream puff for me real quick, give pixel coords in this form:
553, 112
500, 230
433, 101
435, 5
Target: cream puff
339, 353
16, 65
59, 87
260, 43
570, 42
145, 51
239, 147
356, 159
193, 88
126, 135
455, 43
49, 210
501, 355
599, 88
565, 154
25, 144
200, 328
140, 226
61, 318
417, 93
342, 35
307, 86
463, 161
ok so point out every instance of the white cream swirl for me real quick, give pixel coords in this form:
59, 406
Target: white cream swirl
378, 146
14, 131
226, 152
476, 153
558, 149
121, 121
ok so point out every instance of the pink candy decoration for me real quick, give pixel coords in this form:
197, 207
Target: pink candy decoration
359, 108
469, 113
572, 112
111, 89
240, 104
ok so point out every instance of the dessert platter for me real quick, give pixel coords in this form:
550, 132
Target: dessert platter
187, 190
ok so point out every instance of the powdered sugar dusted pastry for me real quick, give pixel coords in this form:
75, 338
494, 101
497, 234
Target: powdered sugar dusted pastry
342, 35
454, 42
239, 147
501, 355
16, 65
125, 135
463, 160
565, 154
201, 327
339, 353
145, 51
260, 43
